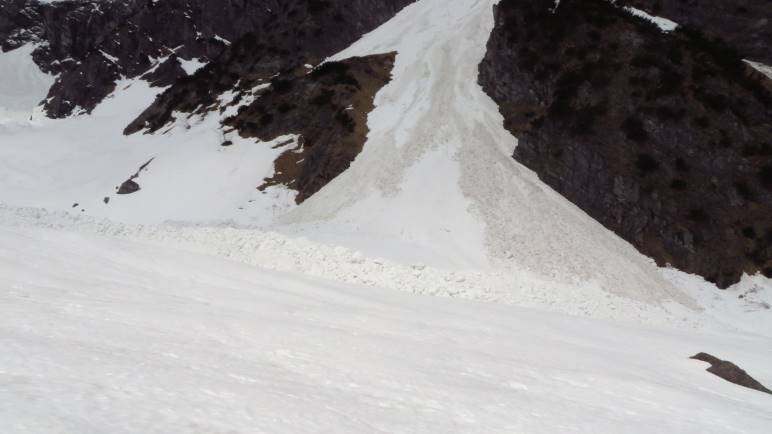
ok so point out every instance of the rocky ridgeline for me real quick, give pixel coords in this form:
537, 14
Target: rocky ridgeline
91, 43
662, 137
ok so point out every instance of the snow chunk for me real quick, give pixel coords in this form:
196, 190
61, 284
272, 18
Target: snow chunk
663, 23
192, 65
762, 68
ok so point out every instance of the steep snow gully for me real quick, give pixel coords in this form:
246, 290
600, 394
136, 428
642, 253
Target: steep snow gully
199, 304
437, 171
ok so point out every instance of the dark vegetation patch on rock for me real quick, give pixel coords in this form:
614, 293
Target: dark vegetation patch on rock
663, 138
326, 108
730, 372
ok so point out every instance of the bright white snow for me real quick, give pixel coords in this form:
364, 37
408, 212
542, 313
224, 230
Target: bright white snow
105, 335
191, 66
22, 85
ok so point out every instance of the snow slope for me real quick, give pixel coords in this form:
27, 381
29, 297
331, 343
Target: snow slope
106, 335
436, 174
81, 160
435, 186
743, 308
23, 85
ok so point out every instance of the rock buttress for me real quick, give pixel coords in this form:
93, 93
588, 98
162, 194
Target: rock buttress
661, 137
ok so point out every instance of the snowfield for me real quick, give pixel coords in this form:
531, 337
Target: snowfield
106, 335
435, 286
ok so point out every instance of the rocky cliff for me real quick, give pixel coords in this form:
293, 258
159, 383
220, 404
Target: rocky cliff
91, 43
304, 34
662, 137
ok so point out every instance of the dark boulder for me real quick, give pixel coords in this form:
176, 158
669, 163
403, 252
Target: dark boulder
128, 187
730, 372
91, 43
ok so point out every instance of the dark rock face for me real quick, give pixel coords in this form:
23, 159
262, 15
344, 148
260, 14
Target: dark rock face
744, 24
299, 33
730, 372
128, 187
67, 29
19, 23
327, 108
93, 42
69, 34
166, 74
663, 138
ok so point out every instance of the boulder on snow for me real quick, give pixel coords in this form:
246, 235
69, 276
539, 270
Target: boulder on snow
730, 372
128, 187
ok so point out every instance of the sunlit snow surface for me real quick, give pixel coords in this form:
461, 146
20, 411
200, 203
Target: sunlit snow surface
100, 334
436, 286
22, 85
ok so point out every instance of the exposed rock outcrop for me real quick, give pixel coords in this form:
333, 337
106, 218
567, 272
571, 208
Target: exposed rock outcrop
327, 108
91, 43
659, 136
730, 372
